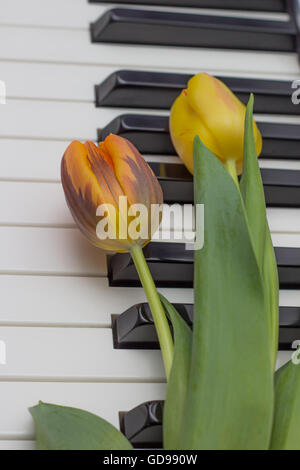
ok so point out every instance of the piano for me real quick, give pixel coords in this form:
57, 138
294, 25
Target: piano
73, 320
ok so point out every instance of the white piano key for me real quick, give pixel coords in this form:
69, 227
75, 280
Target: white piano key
81, 301
39, 119
105, 400
27, 159
280, 164
289, 298
74, 354
74, 47
57, 13
17, 444
286, 239
280, 239
277, 118
34, 204
73, 301
52, 81
284, 220
283, 357
31, 159
54, 120
54, 211
263, 163
68, 82
49, 251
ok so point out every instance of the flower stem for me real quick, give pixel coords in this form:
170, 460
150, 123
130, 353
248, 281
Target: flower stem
230, 165
156, 307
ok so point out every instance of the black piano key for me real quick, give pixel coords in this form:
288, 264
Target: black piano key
155, 90
282, 187
293, 8
256, 5
143, 425
134, 329
137, 89
131, 26
171, 265
150, 134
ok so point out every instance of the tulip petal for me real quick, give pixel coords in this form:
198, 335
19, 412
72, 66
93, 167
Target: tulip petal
209, 109
185, 124
137, 181
132, 172
109, 189
88, 182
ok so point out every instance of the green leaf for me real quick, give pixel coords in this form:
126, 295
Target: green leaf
254, 199
286, 427
230, 395
271, 288
178, 382
252, 189
64, 428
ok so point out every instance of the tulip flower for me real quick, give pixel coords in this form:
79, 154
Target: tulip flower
113, 176
208, 108
115, 200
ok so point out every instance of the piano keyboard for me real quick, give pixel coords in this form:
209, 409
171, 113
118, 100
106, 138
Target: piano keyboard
59, 294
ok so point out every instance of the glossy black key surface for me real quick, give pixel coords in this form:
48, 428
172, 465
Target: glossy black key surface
282, 187
134, 329
257, 5
143, 425
131, 26
150, 134
171, 265
156, 90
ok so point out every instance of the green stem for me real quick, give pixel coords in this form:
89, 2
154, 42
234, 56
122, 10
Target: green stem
230, 165
157, 309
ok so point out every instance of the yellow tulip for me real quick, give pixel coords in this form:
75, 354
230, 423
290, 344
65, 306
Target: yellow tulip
208, 108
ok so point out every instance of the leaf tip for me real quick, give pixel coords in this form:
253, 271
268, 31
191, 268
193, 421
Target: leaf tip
250, 104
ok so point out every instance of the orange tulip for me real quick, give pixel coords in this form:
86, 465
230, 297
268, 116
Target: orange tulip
95, 178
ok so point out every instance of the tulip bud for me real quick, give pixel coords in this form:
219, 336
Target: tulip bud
208, 108
112, 193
